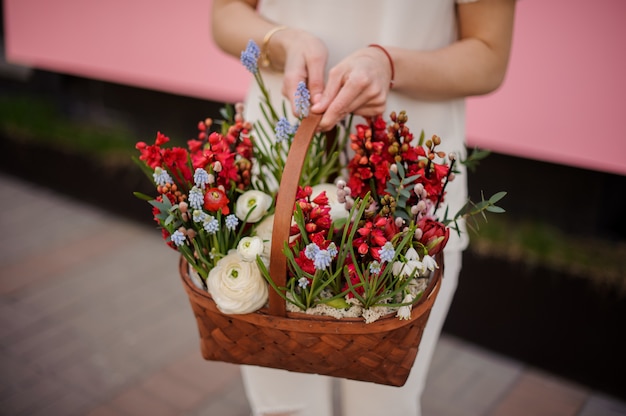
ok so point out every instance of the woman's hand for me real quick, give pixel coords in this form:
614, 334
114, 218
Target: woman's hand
358, 84
302, 57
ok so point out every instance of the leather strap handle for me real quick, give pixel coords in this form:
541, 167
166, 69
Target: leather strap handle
284, 208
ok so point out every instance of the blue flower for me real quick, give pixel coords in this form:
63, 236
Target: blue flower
332, 250
303, 282
303, 99
250, 57
199, 215
387, 252
375, 267
161, 177
211, 225
201, 177
311, 250
284, 130
196, 198
322, 260
178, 238
231, 222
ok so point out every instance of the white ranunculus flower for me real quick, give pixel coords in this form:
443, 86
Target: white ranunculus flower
256, 201
249, 247
237, 286
337, 209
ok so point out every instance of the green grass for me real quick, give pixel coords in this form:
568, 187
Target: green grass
537, 243
31, 119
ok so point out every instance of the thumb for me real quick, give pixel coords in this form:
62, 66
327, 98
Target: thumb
316, 87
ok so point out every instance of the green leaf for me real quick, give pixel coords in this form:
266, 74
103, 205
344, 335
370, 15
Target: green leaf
170, 219
497, 196
421, 139
395, 182
164, 206
400, 170
410, 179
143, 196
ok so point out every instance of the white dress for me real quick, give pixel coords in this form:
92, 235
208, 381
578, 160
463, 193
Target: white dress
345, 26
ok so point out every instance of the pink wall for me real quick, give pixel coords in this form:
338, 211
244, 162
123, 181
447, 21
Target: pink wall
155, 44
561, 101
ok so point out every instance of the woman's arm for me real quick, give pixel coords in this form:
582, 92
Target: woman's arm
300, 55
235, 22
473, 65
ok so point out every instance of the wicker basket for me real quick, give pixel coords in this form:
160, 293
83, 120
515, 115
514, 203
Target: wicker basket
382, 352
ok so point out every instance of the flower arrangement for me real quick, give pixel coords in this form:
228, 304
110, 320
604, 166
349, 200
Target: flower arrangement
363, 245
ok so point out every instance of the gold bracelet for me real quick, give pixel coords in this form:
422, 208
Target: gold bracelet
265, 54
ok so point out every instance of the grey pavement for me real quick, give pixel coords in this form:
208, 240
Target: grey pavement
94, 321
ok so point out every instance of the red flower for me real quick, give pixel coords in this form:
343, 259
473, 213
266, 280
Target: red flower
216, 200
244, 148
153, 154
317, 218
195, 145
165, 234
372, 237
433, 180
434, 234
175, 159
354, 280
321, 199
305, 263
229, 170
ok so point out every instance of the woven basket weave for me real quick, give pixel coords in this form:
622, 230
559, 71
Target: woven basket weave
382, 352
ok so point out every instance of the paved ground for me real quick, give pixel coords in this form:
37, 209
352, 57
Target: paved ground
94, 321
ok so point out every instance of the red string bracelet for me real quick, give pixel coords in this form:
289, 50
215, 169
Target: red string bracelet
393, 72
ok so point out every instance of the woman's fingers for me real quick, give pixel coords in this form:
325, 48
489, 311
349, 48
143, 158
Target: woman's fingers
359, 84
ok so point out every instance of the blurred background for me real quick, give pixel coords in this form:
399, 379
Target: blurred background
545, 284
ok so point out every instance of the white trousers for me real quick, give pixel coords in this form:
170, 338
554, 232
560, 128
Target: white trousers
280, 392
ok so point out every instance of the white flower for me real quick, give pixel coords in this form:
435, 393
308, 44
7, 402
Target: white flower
195, 278
249, 247
337, 209
411, 254
264, 230
430, 263
404, 312
253, 205
411, 267
237, 286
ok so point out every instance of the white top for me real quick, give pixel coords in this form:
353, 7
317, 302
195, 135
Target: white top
413, 24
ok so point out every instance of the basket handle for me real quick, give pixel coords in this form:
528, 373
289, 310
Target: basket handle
284, 208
